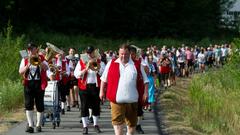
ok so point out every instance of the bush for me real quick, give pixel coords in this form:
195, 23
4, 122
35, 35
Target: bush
11, 94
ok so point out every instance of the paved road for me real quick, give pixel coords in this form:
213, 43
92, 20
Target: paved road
70, 125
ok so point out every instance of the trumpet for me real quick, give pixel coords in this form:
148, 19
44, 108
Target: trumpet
93, 64
53, 69
56, 70
35, 60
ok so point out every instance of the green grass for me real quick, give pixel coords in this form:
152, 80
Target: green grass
215, 99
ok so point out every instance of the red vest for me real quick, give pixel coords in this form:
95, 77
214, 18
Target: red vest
164, 69
113, 79
82, 82
64, 78
43, 75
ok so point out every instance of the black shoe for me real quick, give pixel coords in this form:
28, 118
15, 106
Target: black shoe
90, 120
80, 121
74, 104
77, 105
29, 129
63, 111
85, 130
68, 108
139, 129
97, 129
39, 129
47, 116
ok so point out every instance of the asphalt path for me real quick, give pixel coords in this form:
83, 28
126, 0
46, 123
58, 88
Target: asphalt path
70, 124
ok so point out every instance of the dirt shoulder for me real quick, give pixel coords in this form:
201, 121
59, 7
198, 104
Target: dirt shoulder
173, 101
10, 119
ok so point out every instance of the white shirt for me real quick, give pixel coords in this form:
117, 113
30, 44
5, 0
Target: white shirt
127, 85
201, 58
181, 58
224, 52
71, 64
91, 76
32, 70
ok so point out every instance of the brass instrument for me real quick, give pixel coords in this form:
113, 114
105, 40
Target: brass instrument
35, 60
139, 50
92, 64
53, 69
52, 50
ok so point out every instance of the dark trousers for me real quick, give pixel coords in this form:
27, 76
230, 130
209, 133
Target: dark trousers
63, 90
90, 99
34, 94
140, 110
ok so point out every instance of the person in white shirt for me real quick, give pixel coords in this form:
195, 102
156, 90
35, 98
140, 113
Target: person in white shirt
123, 79
201, 60
33, 69
88, 82
62, 76
135, 57
224, 50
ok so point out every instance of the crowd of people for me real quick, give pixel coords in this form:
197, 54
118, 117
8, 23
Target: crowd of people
129, 78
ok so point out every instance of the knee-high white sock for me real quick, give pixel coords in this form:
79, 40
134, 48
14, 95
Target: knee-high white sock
68, 100
84, 121
95, 120
29, 115
62, 105
39, 118
139, 120
169, 82
90, 112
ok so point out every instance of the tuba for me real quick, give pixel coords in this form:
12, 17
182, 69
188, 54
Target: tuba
139, 50
52, 50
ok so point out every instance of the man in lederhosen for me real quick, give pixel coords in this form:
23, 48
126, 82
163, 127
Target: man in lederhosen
88, 83
33, 69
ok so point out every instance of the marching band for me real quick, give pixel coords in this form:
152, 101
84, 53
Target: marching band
78, 76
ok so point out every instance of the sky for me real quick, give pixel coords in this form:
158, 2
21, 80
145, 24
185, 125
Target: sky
236, 6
